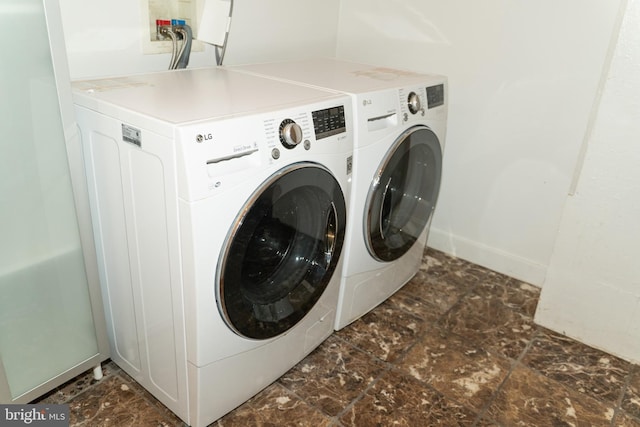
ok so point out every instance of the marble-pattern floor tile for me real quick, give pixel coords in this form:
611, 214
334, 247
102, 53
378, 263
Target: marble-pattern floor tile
631, 397
478, 275
623, 419
513, 293
490, 323
157, 405
438, 263
457, 368
274, 407
386, 332
82, 382
429, 299
116, 403
456, 346
399, 400
523, 296
407, 301
530, 399
578, 366
332, 376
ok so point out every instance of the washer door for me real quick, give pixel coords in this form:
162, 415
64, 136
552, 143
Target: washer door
281, 252
403, 194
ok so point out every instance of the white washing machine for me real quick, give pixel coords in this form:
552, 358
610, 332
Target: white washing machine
400, 128
219, 204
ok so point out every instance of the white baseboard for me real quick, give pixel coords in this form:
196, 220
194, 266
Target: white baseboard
495, 259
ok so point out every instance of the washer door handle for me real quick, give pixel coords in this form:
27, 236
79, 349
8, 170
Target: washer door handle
383, 203
330, 233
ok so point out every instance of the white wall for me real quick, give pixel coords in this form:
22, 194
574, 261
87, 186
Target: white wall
524, 83
280, 30
592, 290
523, 78
104, 37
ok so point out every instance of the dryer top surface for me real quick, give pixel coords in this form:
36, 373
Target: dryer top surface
183, 96
343, 76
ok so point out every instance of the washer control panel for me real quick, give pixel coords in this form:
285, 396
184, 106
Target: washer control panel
217, 155
290, 133
326, 122
329, 122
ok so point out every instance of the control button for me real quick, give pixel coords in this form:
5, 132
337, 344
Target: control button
307, 144
290, 133
414, 103
275, 153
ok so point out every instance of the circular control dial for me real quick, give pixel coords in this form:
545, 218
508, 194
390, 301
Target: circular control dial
290, 133
413, 100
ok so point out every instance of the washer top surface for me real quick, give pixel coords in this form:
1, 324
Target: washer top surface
340, 75
191, 95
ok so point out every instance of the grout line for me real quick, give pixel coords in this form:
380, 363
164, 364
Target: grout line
364, 392
277, 383
514, 364
430, 327
617, 410
372, 358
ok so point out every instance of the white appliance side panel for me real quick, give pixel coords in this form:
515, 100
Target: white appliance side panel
153, 269
107, 205
154, 244
134, 204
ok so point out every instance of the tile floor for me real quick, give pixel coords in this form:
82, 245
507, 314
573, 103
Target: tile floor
456, 346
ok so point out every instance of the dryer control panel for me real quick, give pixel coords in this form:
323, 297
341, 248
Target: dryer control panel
419, 101
412, 102
435, 96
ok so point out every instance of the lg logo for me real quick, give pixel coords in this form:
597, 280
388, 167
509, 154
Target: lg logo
202, 138
366, 102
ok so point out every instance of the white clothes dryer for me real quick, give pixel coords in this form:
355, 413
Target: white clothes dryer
219, 204
400, 129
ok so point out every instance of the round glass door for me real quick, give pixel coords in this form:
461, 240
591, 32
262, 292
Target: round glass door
403, 194
282, 251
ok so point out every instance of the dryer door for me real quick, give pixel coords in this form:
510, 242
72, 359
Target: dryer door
403, 194
282, 251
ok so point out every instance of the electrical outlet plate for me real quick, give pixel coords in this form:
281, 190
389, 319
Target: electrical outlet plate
188, 10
